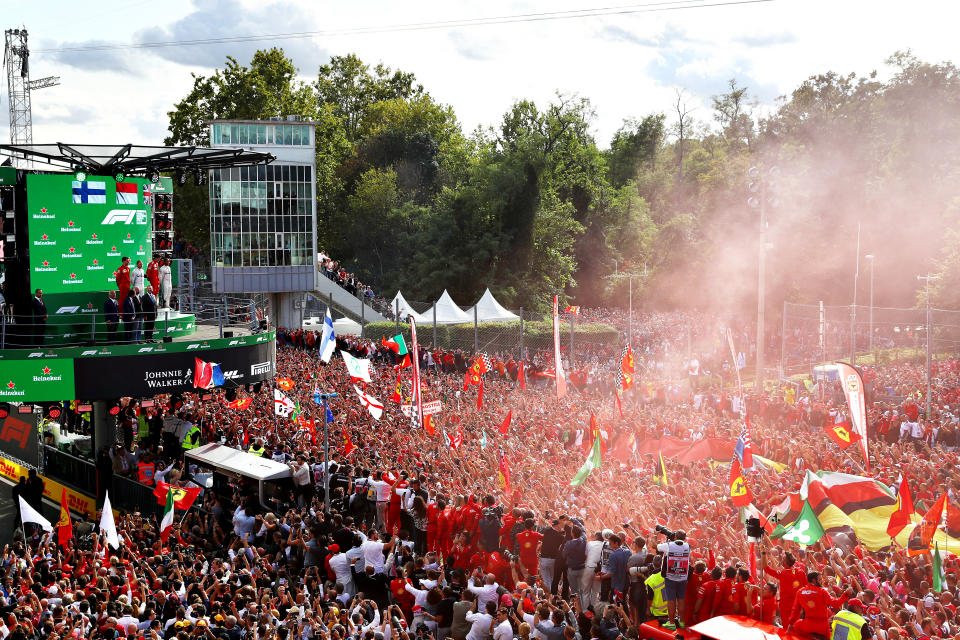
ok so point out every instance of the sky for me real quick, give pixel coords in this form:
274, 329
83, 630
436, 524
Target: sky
628, 65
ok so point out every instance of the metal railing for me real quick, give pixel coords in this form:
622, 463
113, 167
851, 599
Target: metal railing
83, 328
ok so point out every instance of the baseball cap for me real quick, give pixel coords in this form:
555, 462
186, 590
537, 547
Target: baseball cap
855, 602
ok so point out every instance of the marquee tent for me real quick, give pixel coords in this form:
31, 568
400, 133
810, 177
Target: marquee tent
405, 309
489, 310
447, 312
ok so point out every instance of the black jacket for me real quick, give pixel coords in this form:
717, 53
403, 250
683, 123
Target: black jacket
129, 309
111, 310
39, 310
149, 304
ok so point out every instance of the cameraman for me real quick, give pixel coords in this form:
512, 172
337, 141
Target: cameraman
676, 558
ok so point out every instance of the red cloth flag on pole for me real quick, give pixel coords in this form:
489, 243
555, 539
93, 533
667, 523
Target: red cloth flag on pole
504, 473
240, 403
456, 440
842, 434
183, 497
905, 509
64, 524
739, 491
922, 534
522, 376
480, 396
348, 446
558, 364
398, 390
505, 425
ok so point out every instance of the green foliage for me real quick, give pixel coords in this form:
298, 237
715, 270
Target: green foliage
496, 337
533, 207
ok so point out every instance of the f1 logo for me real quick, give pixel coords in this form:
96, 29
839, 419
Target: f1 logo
124, 216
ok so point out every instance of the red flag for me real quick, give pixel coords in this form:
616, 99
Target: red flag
398, 390
504, 473
953, 520
739, 491
522, 376
246, 437
574, 310
428, 425
348, 446
64, 524
285, 383
901, 517
405, 362
240, 403
616, 395
842, 434
711, 560
456, 440
480, 396
753, 560
594, 434
505, 425
183, 497
922, 534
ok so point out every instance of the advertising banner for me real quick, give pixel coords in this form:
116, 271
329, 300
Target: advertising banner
37, 380
19, 438
80, 226
169, 368
52, 490
181, 346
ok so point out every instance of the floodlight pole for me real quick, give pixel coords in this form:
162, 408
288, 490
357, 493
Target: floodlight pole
926, 280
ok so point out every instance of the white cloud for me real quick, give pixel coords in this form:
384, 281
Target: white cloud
628, 65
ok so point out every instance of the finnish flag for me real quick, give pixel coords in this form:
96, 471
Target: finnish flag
328, 343
89, 192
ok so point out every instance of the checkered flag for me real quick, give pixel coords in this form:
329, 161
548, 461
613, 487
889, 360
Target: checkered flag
626, 368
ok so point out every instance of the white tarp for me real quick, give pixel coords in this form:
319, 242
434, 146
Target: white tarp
239, 462
489, 310
405, 310
447, 312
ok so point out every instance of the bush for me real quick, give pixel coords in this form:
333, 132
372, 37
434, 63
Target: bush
495, 336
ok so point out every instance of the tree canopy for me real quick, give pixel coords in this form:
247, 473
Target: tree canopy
534, 205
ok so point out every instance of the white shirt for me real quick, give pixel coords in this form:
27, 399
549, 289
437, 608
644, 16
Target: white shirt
301, 475
242, 523
534, 632
485, 593
341, 567
373, 554
480, 629
136, 278
383, 489
594, 549
503, 631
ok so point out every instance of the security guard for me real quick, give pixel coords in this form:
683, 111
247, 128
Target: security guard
256, 448
655, 585
145, 471
849, 623
191, 440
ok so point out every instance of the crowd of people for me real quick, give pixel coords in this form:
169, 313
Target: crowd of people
468, 527
333, 270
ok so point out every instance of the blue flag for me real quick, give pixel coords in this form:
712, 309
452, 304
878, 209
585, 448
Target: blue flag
329, 415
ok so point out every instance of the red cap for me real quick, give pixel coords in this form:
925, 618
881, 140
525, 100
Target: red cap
855, 602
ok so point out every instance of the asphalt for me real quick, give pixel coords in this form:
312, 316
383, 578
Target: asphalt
8, 513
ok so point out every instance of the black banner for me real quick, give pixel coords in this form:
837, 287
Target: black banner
152, 373
19, 438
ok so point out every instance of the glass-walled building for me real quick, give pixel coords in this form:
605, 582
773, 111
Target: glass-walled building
263, 217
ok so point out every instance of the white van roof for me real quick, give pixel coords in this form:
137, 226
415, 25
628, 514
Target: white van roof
239, 462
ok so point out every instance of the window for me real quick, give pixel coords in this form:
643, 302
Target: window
287, 135
296, 135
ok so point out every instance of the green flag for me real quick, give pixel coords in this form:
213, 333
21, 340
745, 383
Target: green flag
937, 568
805, 530
592, 462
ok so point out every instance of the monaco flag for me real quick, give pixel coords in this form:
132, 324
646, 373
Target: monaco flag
127, 193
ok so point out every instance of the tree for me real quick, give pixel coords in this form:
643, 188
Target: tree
681, 128
635, 144
732, 113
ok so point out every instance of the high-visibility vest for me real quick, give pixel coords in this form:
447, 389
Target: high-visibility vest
143, 427
145, 471
846, 625
257, 451
188, 443
658, 606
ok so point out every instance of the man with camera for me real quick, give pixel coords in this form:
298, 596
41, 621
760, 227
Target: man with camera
676, 566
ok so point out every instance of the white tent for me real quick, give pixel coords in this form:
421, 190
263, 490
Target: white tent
447, 312
489, 310
398, 303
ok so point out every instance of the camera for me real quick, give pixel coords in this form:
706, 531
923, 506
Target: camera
638, 572
495, 511
670, 534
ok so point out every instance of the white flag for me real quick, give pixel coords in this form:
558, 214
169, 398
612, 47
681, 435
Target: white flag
374, 406
357, 368
108, 528
328, 343
282, 405
29, 514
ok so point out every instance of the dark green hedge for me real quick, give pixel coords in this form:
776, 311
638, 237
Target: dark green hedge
496, 336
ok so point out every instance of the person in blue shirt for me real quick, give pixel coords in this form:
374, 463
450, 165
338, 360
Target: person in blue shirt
617, 566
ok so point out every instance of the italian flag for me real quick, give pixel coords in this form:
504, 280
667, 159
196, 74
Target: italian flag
166, 523
592, 462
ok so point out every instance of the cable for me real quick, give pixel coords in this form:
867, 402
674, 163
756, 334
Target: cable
667, 5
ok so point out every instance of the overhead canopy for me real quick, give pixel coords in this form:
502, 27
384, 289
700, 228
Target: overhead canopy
238, 462
130, 159
489, 310
447, 312
404, 310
